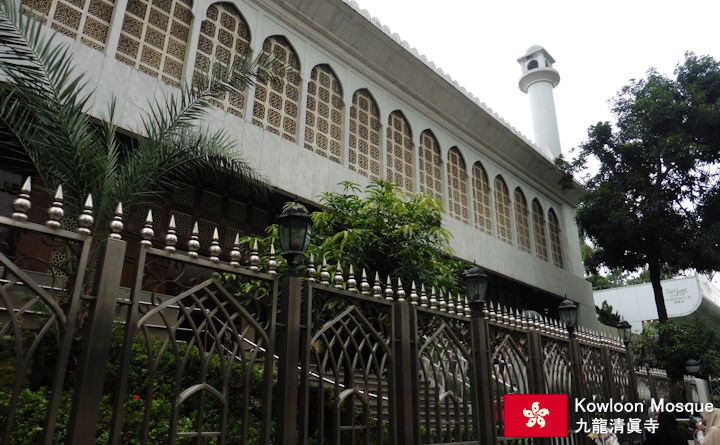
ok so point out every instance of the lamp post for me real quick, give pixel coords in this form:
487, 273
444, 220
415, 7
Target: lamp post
624, 331
294, 230
568, 316
476, 283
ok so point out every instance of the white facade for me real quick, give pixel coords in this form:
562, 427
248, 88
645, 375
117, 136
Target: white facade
364, 56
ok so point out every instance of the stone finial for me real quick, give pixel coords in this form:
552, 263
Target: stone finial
324, 273
55, 212
22, 203
377, 287
338, 278
235, 255
388, 290
147, 231
86, 220
116, 225
364, 285
351, 281
214, 249
413, 294
254, 259
272, 261
311, 271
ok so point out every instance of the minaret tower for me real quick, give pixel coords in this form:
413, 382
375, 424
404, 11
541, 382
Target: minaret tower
538, 80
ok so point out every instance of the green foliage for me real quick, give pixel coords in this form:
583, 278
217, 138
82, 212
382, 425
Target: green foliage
46, 132
388, 232
668, 345
606, 315
652, 201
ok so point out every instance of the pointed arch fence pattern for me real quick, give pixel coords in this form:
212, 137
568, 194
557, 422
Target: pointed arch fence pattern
211, 346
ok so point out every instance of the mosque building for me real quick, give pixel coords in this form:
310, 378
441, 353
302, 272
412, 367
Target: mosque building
360, 105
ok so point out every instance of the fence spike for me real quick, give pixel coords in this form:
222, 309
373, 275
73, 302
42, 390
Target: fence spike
171, 236
272, 260
433, 299
235, 254
214, 248
324, 273
506, 315
351, 281
468, 311
364, 285
55, 213
22, 203
338, 279
413, 294
388, 290
194, 242
442, 303
423, 296
116, 225
147, 231
450, 303
254, 259
85, 219
400, 291
485, 311
377, 288
311, 271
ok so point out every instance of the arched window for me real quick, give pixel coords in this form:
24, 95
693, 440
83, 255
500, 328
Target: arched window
521, 221
154, 37
532, 65
481, 197
324, 111
364, 150
276, 106
400, 168
430, 165
539, 231
86, 21
554, 228
457, 186
224, 36
502, 210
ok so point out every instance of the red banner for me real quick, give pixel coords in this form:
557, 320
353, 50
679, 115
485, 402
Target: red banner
536, 415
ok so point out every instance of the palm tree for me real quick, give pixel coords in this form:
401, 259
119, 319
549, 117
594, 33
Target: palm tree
45, 130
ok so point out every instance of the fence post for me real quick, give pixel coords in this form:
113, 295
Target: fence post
96, 345
536, 371
289, 340
632, 380
611, 390
483, 409
405, 373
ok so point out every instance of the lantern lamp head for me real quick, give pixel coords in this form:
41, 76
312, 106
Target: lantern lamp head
476, 283
294, 232
568, 314
692, 366
624, 331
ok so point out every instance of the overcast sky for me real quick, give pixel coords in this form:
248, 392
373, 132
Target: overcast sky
597, 46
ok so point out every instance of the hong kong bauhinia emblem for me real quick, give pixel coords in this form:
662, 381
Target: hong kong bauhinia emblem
535, 416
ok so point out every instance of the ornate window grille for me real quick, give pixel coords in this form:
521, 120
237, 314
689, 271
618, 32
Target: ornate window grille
276, 106
400, 168
84, 20
457, 186
541, 249
481, 197
521, 221
554, 227
154, 37
224, 36
502, 210
324, 114
430, 166
364, 150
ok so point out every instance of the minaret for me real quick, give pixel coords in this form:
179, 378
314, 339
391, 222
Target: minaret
538, 80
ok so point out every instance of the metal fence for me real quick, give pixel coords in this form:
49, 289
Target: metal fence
210, 349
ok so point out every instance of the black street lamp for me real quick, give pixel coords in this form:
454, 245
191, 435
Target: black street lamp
568, 315
476, 282
294, 231
624, 332
692, 366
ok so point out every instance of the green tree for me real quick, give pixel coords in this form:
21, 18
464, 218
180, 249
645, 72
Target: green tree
388, 232
45, 131
648, 201
606, 315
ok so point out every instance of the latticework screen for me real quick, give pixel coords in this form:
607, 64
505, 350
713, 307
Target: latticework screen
430, 165
481, 197
539, 231
521, 221
400, 152
276, 105
554, 228
457, 186
85, 20
502, 210
154, 37
324, 114
364, 150
224, 36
